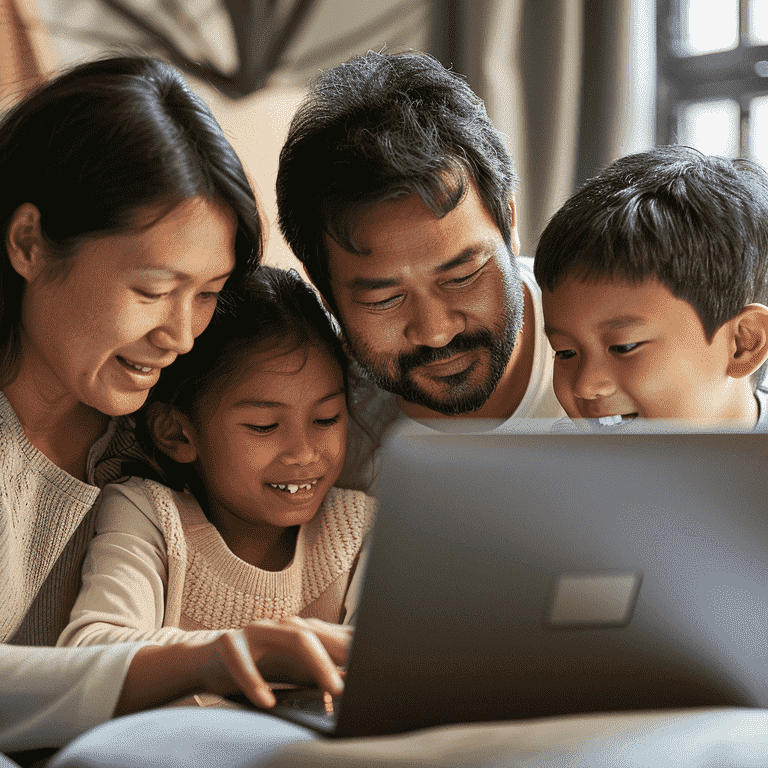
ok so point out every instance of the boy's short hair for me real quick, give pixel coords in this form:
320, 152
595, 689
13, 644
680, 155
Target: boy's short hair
697, 223
376, 127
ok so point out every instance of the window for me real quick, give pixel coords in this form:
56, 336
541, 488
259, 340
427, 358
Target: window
713, 76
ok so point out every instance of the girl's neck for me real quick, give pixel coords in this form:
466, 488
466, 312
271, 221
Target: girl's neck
62, 429
269, 549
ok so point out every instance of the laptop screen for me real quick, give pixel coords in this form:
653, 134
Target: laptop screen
522, 575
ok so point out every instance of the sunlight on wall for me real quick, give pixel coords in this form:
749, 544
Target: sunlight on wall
256, 127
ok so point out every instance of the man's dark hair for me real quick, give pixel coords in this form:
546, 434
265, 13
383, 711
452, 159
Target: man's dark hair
697, 223
377, 127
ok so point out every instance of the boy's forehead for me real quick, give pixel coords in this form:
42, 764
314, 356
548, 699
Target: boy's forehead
610, 304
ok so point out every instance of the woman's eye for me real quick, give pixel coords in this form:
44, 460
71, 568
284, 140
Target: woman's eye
328, 422
622, 349
564, 354
209, 295
262, 429
149, 295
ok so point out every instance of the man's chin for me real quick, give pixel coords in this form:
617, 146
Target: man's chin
451, 403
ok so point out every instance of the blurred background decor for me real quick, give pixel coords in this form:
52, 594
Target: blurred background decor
572, 83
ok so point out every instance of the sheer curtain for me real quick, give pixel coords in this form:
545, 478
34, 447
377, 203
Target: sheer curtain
19, 67
570, 82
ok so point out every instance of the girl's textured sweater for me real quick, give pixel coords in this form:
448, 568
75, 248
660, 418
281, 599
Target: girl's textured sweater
177, 573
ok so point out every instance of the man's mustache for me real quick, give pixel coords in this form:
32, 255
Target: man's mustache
462, 342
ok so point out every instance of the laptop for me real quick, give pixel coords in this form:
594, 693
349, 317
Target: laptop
527, 575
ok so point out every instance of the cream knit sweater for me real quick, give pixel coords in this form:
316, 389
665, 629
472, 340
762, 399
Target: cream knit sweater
50, 695
157, 566
46, 522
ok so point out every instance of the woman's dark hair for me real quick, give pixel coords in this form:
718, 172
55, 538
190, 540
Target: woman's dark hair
376, 127
99, 145
271, 310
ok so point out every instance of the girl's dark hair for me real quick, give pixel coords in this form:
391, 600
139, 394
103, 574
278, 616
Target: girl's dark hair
99, 145
271, 310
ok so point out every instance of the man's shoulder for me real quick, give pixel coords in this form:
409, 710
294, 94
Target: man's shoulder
373, 408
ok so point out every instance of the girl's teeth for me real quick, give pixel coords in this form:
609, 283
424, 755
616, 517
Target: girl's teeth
292, 487
608, 421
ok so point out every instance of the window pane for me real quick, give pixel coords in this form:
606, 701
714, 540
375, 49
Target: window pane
709, 25
758, 129
758, 21
712, 127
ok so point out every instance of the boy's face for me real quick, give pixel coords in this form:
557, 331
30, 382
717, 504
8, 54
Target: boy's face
636, 350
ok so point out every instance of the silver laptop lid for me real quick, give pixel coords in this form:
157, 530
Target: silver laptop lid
520, 575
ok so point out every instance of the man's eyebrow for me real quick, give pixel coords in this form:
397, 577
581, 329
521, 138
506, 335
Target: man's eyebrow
248, 403
465, 256
373, 283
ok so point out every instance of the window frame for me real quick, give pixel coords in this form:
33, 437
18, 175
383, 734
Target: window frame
686, 78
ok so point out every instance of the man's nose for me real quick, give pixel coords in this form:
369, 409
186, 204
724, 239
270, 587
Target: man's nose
433, 322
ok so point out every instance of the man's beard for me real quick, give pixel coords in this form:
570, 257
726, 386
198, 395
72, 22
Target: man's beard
463, 395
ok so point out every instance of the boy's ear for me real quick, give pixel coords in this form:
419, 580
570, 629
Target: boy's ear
24, 242
749, 344
172, 432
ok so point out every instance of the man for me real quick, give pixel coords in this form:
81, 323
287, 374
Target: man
395, 192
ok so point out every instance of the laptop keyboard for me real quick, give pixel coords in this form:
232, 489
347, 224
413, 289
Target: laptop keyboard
308, 706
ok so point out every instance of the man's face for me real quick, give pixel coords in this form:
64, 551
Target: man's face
433, 307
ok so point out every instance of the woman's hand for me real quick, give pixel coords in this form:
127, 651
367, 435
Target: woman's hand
239, 660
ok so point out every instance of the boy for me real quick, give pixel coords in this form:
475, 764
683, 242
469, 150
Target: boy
653, 278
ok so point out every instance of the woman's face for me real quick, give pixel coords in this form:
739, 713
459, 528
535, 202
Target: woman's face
125, 306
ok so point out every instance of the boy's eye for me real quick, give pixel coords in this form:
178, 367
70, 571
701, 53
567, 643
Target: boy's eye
262, 429
564, 354
622, 349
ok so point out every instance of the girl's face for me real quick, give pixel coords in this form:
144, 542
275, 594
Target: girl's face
272, 444
125, 307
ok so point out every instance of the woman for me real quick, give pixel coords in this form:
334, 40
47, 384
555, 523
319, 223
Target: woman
125, 212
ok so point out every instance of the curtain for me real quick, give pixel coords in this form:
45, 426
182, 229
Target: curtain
570, 82
20, 71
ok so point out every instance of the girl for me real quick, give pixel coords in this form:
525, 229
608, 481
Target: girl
247, 433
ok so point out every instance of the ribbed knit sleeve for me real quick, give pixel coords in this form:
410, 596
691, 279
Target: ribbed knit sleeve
42, 508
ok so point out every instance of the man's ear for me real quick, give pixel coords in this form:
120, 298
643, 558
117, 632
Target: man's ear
172, 432
24, 242
749, 341
515, 235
